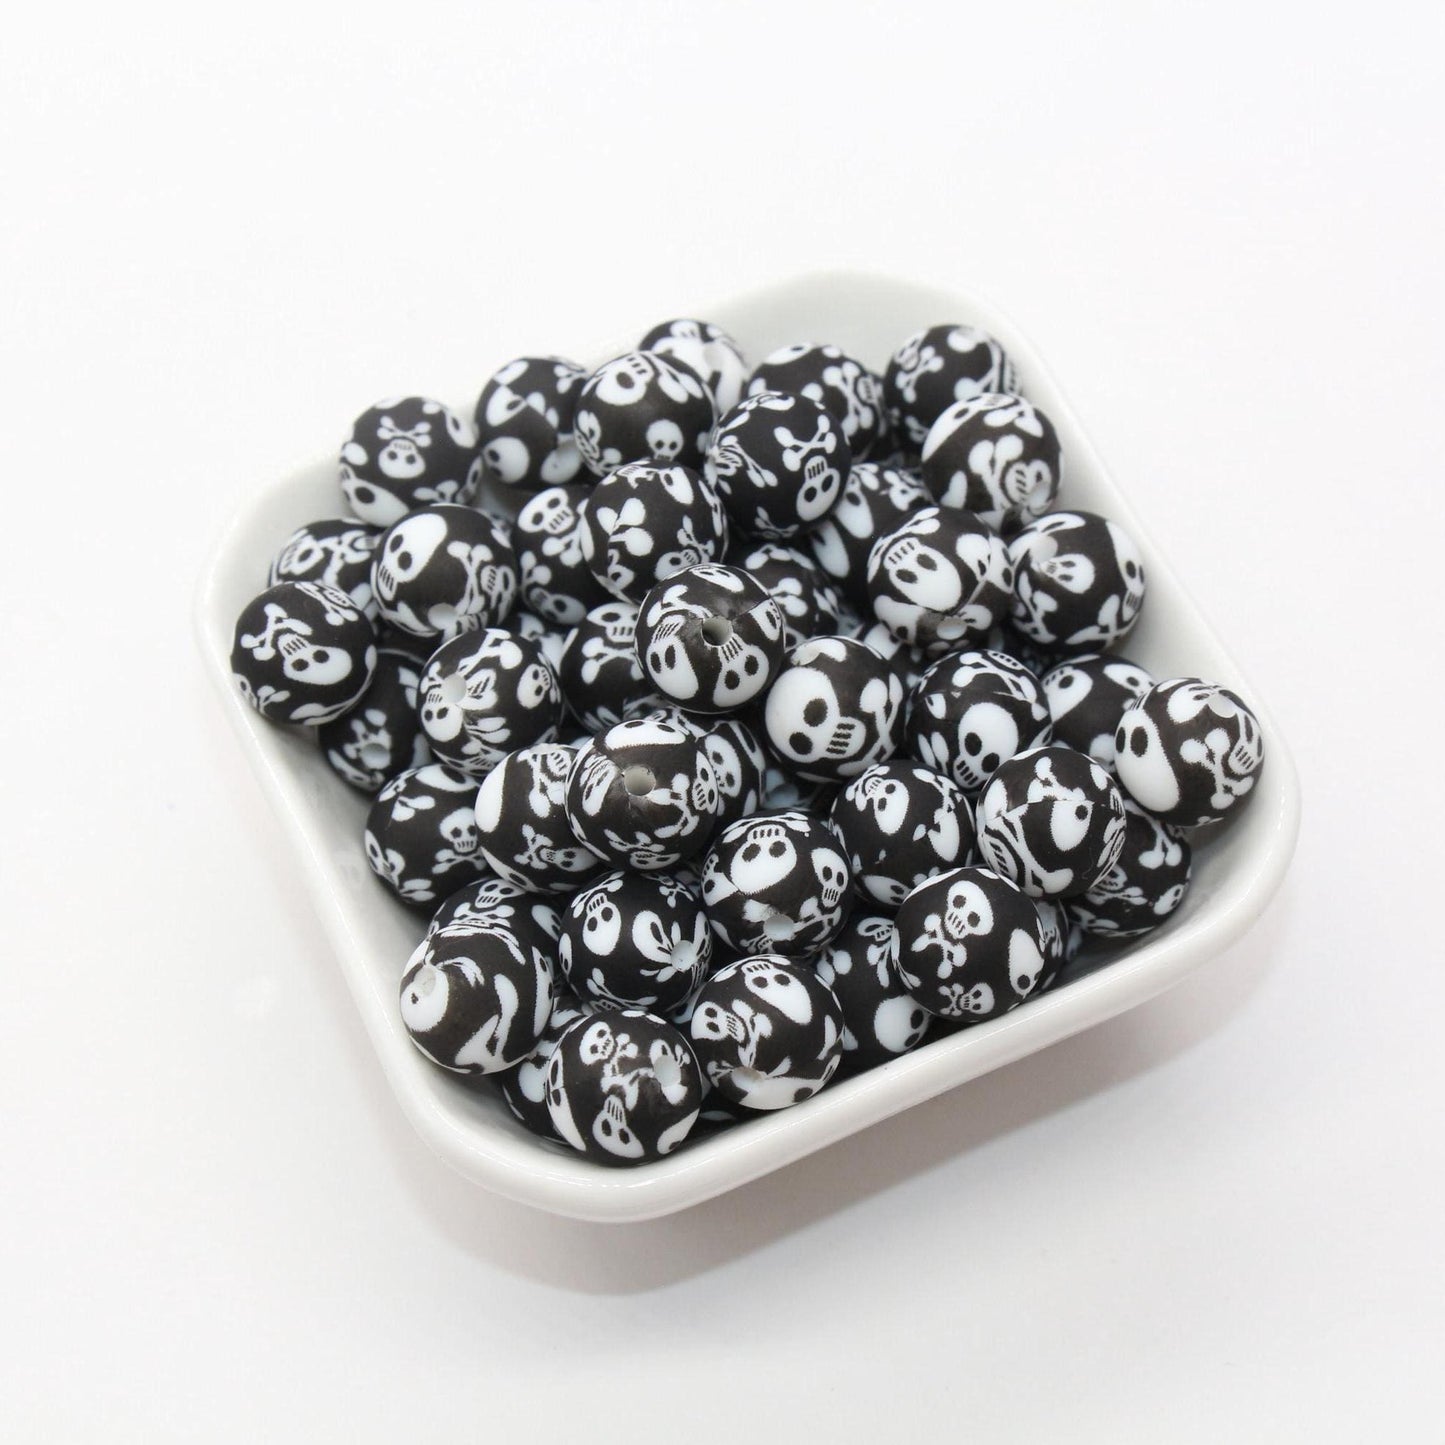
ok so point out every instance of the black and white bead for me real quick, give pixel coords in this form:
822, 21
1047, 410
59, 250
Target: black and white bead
493, 898
708, 351
768, 1032
303, 652
382, 734
1146, 884
969, 945
881, 1019
405, 453
524, 1088
910, 663
421, 836
937, 367
1078, 582
825, 374
1189, 751
642, 407
600, 671
1088, 697
876, 500
737, 757
335, 550
524, 422
556, 582
1052, 821
1057, 925
808, 601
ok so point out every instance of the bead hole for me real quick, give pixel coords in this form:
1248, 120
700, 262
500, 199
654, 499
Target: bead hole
669, 1075
638, 780
374, 756
717, 630
454, 689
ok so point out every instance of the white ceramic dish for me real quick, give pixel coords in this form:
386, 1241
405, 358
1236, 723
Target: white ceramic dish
1235, 872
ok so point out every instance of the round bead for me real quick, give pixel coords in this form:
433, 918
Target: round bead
996, 455
834, 710
485, 694
337, 551
846, 387
1078, 582
600, 671
706, 350
303, 653
493, 898
806, 598
973, 711
777, 882
901, 823
1052, 821
556, 582
1088, 697
441, 570
710, 638
1146, 884
642, 407
421, 834
1189, 751
382, 734
635, 940
881, 1019
643, 523
767, 1031
524, 422
876, 500
524, 1088
969, 945
1055, 918
405, 453
643, 795
623, 1087
937, 367
737, 757
941, 579
778, 463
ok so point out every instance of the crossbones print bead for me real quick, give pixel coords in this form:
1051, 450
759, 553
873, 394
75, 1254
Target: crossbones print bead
1056, 923
706, 350
643, 523
768, 1032
444, 569
777, 883
937, 367
901, 823
421, 834
1052, 821
492, 897
940, 580
485, 694
406, 453
974, 710
875, 500
710, 638
779, 463
834, 710
808, 601
732, 747
642, 407
968, 945
303, 652
382, 733
997, 455
852, 393
524, 422
599, 671
524, 1088
1088, 697
556, 582
1189, 751
643, 795
623, 1087
881, 1019
1146, 884
1078, 582
334, 550
635, 940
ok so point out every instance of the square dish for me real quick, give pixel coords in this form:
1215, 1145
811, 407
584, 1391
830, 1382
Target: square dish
1235, 872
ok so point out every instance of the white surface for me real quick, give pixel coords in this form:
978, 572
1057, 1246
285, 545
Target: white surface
1215, 1218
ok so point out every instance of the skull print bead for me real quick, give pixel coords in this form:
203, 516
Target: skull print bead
633, 939
382, 734
623, 1087
881, 1019
937, 367
1055, 918
777, 882
643, 795
303, 653
599, 669
1189, 751
834, 710
524, 422
846, 387
706, 350
940, 580
1088, 697
493, 897
556, 582
1052, 821
1146, 884
335, 550
643, 523
996, 455
406, 453
968, 945
485, 694
524, 1088
442, 570
642, 407
421, 834
875, 500
805, 597
710, 638
901, 823
1078, 582
768, 1032
779, 463
737, 757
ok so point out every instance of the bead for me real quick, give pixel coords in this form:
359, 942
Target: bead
969, 945
421, 834
337, 551
642, 407
1078, 582
382, 733
996, 455
937, 367
556, 582
808, 602
303, 653
524, 422
1189, 751
778, 882
876, 500
881, 1019
1088, 697
524, 1088
708, 351
1056, 924
441, 570
737, 757
834, 380
623, 1087
901, 823
910, 663
600, 672
778, 463
1146, 884
1052, 821
492, 897
710, 638
768, 1032
405, 453
834, 710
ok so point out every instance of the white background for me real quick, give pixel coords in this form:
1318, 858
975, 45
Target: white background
228, 229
